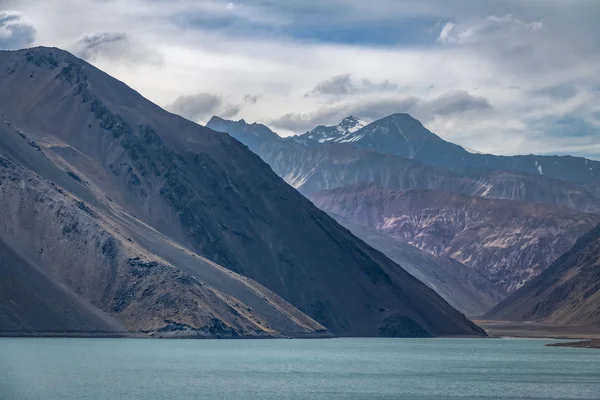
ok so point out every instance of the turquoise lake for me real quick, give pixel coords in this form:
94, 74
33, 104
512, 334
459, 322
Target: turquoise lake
147, 369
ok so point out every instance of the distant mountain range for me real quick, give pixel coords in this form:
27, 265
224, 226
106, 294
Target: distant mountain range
118, 216
402, 135
508, 218
312, 167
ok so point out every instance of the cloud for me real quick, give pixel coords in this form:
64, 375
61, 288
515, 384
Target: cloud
251, 98
201, 106
113, 46
558, 92
490, 29
367, 109
451, 64
344, 84
15, 31
376, 107
451, 103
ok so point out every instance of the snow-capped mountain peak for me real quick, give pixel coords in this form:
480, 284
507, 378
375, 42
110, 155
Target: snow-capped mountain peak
351, 124
324, 133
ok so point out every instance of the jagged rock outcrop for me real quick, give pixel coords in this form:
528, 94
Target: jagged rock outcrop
337, 133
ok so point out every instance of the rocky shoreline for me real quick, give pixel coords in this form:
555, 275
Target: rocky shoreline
584, 344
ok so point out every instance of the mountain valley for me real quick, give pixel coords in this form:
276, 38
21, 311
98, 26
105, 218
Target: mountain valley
393, 182
157, 225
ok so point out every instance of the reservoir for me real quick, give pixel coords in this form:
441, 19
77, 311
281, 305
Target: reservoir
51, 368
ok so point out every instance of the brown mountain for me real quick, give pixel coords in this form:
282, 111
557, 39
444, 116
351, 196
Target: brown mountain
567, 292
508, 242
165, 184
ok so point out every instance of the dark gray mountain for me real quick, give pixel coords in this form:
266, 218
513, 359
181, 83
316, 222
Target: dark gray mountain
252, 135
402, 135
567, 292
164, 219
72, 260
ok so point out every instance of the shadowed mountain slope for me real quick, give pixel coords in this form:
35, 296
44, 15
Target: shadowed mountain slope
73, 255
461, 286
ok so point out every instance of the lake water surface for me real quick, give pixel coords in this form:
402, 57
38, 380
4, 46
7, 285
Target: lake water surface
296, 369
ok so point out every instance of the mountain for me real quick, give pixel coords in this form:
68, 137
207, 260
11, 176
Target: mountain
567, 292
337, 133
71, 261
402, 135
189, 231
310, 167
461, 286
252, 135
508, 242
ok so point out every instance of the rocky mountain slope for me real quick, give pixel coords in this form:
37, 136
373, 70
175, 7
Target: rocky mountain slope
402, 135
567, 292
506, 241
69, 263
170, 185
310, 167
461, 286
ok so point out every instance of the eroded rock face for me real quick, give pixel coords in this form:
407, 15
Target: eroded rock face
113, 283
508, 242
567, 292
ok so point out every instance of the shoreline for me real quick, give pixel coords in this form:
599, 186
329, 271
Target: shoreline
583, 344
532, 330
146, 335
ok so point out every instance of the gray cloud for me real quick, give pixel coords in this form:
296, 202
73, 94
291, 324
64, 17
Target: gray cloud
114, 46
344, 84
557, 92
491, 28
251, 98
528, 47
15, 33
372, 108
537, 48
455, 102
202, 106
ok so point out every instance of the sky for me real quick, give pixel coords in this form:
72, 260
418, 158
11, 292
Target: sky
500, 76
